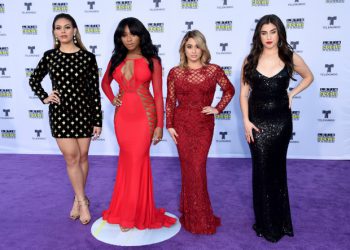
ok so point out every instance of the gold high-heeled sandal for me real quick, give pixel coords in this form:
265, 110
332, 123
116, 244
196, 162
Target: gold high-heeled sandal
84, 220
74, 213
124, 229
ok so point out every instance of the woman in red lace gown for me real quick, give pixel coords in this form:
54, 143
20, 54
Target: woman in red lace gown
138, 121
192, 85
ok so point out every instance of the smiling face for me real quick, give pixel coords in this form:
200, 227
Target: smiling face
192, 51
269, 36
130, 41
64, 31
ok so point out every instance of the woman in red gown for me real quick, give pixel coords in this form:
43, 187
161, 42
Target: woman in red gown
192, 85
138, 121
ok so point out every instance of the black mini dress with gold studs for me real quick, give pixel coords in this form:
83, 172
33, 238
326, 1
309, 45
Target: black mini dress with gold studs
75, 77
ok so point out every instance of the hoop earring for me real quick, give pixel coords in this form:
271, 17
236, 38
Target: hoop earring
56, 41
75, 39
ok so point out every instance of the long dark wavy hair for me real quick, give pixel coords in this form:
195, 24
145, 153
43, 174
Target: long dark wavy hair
148, 50
285, 51
74, 24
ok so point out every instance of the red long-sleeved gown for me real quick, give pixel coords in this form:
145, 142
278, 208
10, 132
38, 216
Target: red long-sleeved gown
194, 89
132, 203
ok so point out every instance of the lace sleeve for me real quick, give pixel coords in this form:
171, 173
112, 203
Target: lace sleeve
106, 84
228, 90
37, 76
158, 91
170, 99
94, 90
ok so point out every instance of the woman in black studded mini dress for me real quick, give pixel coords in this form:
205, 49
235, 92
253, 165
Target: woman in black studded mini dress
74, 104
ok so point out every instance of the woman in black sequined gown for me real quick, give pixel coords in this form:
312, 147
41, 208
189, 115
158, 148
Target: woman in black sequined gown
266, 109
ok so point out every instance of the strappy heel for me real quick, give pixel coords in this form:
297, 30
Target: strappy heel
74, 213
84, 204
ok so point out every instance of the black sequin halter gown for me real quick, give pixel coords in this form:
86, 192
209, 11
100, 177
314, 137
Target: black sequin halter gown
269, 111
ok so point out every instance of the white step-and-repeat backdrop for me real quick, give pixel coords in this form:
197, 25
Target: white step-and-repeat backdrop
317, 29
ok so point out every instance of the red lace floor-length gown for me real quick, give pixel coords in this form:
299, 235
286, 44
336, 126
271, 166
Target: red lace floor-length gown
132, 203
194, 89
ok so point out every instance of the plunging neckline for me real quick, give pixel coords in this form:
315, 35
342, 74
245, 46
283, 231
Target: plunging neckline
272, 75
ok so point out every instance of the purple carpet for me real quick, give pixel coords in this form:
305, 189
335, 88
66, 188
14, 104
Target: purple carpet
36, 197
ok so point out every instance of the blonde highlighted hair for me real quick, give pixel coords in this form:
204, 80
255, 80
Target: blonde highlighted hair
201, 43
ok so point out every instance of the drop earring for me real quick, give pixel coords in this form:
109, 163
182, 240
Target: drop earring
56, 41
75, 39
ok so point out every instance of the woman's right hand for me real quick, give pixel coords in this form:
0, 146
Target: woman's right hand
53, 98
116, 100
248, 127
173, 134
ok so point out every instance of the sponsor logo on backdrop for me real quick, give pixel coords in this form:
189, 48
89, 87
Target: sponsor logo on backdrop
156, 27
294, 138
331, 23
1, 31
6, 114
227, 70
223, 137
2, 8
326, 137
3, 73
188, 25
329, 70
91, 5
329, 92
335, 1
326, 116
253, 27
36, 114
29, 29
295, 46
223, 25
94, 49
224, 49
38, 135
28, 8
225, 115
160, 51
331, 46
60, 7
295, 23
157, 6
92, 28
8, 133
259, 3
296, 3
31, 52
123, 5
29, 71
225, 5
189, 4
4, 51
295, 115
5, 93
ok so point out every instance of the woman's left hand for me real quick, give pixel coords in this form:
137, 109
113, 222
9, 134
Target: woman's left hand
157, 135
96, 133
210, 111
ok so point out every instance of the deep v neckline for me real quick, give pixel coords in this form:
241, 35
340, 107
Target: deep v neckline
272, 75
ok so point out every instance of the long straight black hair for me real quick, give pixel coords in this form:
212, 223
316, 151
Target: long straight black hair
285, 51
148, 50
